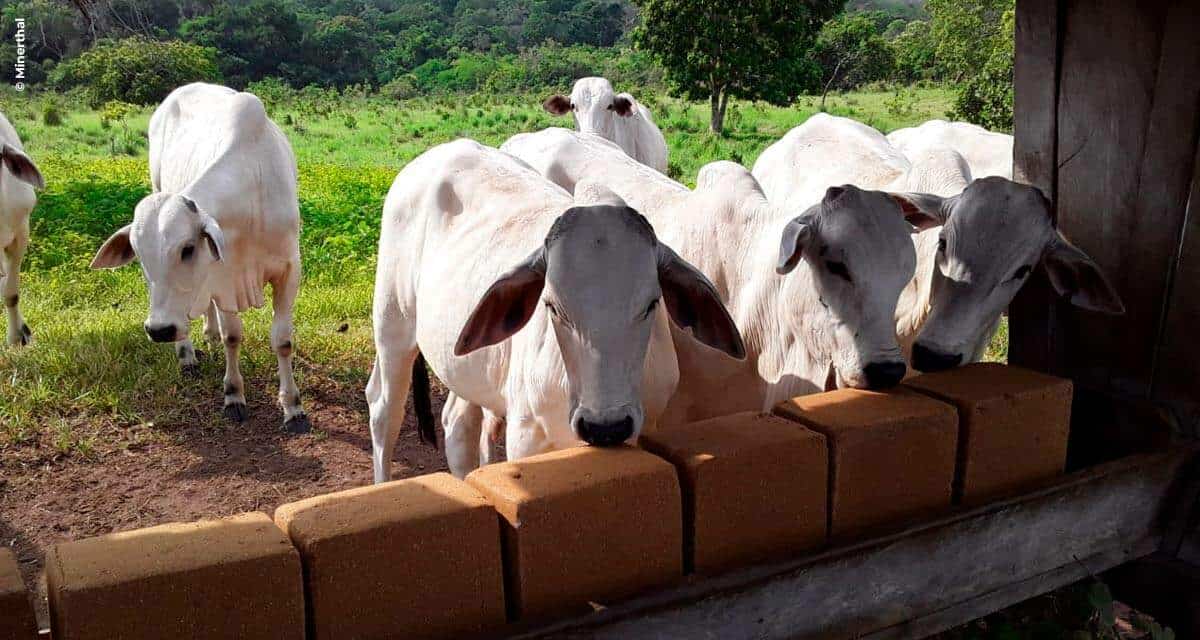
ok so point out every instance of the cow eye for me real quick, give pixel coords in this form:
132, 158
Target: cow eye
1022, 271
650, 309
941, 245
839, 269
187, 252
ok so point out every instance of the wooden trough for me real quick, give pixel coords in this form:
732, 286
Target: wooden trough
927, 578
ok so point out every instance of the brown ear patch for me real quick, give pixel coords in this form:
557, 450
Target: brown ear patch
557, 105
622, 106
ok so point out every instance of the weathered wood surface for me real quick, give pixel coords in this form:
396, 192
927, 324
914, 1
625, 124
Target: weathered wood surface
1035, 144
946, 572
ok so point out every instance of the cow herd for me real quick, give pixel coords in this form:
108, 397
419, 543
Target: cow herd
564, 289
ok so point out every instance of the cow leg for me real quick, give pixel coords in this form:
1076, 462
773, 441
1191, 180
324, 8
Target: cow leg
18, 331
489, 435
387, 389
463, 424
189, 365
294, 418
524, 437
212, 330
235, 395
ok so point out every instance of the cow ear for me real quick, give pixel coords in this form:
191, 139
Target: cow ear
923, 210
622, 105
1075, 275
213, 236
796, 235
117, 251
693, 303
557, 104
505, 307
22, 167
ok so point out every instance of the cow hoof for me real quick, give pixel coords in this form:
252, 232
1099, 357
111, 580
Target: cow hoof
26, 335
297, 424
236, 412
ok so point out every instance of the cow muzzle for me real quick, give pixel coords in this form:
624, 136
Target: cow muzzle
162, 332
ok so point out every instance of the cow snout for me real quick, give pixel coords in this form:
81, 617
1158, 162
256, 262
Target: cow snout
162, 332
604, 434
884, 375
928, 360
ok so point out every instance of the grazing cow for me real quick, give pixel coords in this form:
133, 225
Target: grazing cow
987, 153
992, 232
18, 178
813, 288
222, 222
613, 116
477, 248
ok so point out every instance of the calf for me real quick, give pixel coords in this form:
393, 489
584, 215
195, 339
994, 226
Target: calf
477, 248
18, 179
222, 222
613, 116
988, 237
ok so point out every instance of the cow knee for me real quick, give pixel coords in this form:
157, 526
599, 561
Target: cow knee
12, 301
284, 350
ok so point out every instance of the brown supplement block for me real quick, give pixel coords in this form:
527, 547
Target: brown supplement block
16, 614
415, 558
238, 577
755, 488
583, 525
1013, 426
891, 455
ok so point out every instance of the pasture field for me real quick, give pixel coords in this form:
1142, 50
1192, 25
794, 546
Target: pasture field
100, 431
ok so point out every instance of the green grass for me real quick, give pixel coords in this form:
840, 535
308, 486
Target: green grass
91, 378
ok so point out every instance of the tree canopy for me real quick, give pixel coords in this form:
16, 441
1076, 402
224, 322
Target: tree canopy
750, 49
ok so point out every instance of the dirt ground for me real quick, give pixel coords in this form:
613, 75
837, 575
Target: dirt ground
183, 473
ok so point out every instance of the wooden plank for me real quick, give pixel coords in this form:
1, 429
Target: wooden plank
1035, 132
1177, 374
1015, 593
1126, 141
919, 572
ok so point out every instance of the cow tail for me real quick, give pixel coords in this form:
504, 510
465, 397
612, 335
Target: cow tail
426, 430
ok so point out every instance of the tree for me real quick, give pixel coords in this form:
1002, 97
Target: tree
748, 49
850, 51
986, 98
254, 38
915, 52
965, 33
137, 70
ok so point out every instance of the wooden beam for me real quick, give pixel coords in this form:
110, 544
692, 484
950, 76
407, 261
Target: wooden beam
1035, 131
1008, 549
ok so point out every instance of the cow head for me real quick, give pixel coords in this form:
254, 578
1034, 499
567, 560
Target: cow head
996, 233
601, 276
594, 106
858, 249
177, 243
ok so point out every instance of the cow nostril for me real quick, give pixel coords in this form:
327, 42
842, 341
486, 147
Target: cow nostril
604, 434
929, 360
161, 333
882, 375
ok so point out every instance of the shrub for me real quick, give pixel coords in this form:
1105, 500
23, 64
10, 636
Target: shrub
137, 70
51, 116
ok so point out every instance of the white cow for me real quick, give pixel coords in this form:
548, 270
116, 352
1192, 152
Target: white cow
477, 248
18, 178
968, 270
813, 288
614, 116
222, 222
987, 153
